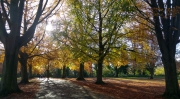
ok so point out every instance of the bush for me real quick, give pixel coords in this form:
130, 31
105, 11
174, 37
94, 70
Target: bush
107, 72
146, 72
57, 73
159, 71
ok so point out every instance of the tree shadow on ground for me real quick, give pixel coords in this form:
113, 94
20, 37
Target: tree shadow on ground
125, 89
62, 88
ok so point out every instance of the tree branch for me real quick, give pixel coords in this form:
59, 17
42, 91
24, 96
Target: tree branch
28, 35
49, 12
39, 40
20, 14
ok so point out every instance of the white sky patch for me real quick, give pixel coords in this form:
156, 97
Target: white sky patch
178, 52
49, 27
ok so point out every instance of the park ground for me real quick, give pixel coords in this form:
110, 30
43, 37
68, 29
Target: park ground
70, 88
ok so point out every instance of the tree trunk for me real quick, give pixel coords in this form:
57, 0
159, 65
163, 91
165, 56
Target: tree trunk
151, 69
91, 71
74, 73
116, 70
9, 72
47, 73
81, 72
23, 61
172, 86
99, 73
167, 38
64, 72
24, 74
151, 73
30, 71
134, 72
96, 68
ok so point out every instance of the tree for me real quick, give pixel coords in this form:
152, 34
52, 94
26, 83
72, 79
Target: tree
33, 48
30, 68
81, 72
143, 48
26, 53
166, 22
13, 36
99, 24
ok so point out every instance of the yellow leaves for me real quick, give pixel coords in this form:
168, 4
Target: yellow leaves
38, 70
120, 57
39, 61
76, 64
74, 67
2, 57
122, 63
88, 66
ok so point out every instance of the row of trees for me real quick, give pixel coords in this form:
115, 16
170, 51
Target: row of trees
117, 32
18, 21
106, 31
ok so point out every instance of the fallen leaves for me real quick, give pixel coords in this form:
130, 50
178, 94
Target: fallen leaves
29, 90
126, 89
116, 88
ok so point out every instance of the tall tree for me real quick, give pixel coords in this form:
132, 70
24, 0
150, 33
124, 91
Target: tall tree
166, 20
26, 53
99, 23
13, 36
143, 35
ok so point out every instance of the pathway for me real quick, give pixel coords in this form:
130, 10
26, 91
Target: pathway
64, 89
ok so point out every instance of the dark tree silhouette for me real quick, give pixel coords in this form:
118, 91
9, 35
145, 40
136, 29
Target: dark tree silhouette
11, 14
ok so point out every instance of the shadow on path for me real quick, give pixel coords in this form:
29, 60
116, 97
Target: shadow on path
63, 89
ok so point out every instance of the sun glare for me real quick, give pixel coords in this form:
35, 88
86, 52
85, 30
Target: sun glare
49, 27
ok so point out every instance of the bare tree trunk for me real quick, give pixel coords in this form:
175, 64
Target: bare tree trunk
24, 74
64, 72
99, 73
23, 61
9, 72
117, 72
151, 69
167, 39
151, 73
81, 72
47, 72
30, 70
172, 86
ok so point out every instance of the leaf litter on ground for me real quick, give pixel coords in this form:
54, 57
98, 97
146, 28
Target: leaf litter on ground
126, 88
28, 90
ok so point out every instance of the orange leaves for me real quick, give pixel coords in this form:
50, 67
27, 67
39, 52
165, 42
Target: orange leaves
29, 91
2, 57
125, 88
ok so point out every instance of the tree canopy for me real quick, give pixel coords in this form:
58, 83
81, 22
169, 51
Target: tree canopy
97, 36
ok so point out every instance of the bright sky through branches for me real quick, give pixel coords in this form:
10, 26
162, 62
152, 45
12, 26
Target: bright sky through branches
49, 27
